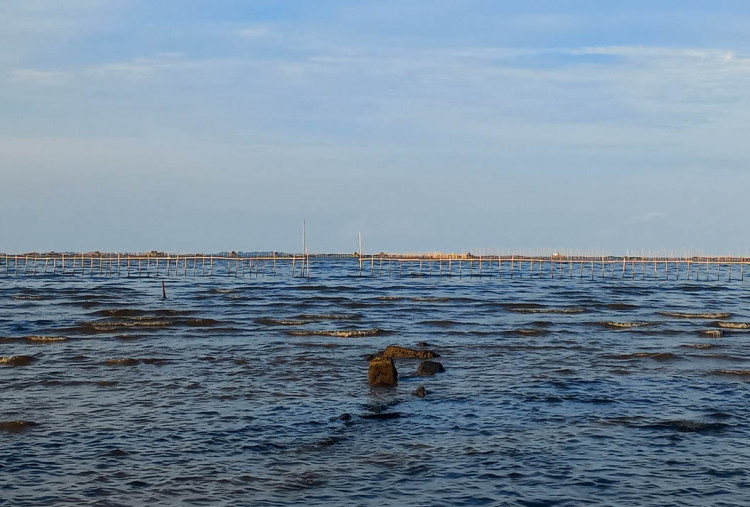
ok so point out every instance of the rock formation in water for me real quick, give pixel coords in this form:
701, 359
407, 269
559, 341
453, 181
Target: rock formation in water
382, 372
396, 352
427, 368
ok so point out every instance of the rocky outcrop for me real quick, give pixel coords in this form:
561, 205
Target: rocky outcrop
420, 392
382, 372
427, 368
396, 352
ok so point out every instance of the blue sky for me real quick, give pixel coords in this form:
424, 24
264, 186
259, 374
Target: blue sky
427, 125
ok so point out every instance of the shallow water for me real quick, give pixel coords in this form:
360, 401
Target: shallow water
563, 391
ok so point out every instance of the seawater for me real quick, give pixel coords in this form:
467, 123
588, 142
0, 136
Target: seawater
231, 391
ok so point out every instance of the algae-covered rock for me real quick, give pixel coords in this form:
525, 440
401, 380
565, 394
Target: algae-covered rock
382, 372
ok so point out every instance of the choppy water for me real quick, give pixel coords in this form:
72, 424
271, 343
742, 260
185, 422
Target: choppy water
230, 391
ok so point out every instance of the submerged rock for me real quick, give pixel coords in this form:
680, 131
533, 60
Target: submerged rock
382, 417
16, 360
420, 392
382, 372
396, 352
16, 426
427, 368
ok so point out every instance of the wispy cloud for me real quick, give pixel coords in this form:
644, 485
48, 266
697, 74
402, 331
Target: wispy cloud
39, 77
647, 218
254, 32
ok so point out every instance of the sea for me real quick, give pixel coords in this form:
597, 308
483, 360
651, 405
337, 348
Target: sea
252, 388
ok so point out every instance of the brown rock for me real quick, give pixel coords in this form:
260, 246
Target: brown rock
16, 360
16, 426
420, 392
426, 368
382, 372
396, 352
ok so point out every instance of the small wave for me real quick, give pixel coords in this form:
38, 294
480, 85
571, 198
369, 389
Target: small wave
700, 346
390, 298
527, 332
521, 309
425, 299
510, 306
109, 326
281, 322
687, 426
721, 357
202, 322
130, 361
45, 339
683, 315
28, 297
711, 333
119, 312
16, 426
312, 317
16, 360
736, 373
700, 288
624, 325
347, 333
656, 356
621, 306
440, 323
129, 337
734, 325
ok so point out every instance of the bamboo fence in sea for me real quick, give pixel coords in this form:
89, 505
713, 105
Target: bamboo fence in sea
149, 265
721, 268
557, 266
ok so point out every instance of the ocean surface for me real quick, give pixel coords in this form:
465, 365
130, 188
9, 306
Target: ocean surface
253, 390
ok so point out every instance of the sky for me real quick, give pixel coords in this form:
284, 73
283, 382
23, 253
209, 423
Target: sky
425, 125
